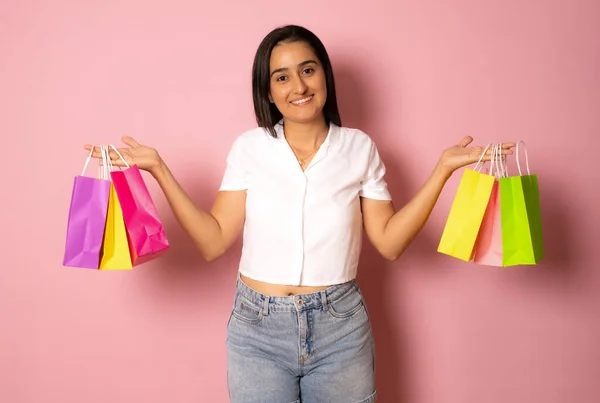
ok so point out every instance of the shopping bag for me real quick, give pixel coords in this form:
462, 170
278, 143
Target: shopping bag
522, 238
466, 213
115, 249
488, 247
145, 233
86, 220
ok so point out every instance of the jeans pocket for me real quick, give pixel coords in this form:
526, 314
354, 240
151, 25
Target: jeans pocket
247, 312
347, 305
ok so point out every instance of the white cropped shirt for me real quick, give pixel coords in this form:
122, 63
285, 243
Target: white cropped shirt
303, 228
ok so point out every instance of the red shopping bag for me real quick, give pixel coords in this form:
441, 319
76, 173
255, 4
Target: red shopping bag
488, 247
145, 232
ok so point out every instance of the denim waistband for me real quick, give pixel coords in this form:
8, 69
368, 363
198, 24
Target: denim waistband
316, 300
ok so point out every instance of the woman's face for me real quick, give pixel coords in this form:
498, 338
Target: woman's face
297, 86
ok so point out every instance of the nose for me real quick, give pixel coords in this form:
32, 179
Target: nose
299, 85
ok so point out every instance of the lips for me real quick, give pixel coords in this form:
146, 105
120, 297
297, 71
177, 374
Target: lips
302, 101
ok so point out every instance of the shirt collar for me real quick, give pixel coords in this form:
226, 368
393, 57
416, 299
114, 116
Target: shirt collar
332, 135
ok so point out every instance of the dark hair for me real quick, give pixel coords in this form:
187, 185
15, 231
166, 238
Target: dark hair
267, 114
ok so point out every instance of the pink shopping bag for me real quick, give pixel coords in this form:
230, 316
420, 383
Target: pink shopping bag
145, 233
488, 247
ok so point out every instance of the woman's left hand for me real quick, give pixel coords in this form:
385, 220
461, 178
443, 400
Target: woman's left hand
460, 155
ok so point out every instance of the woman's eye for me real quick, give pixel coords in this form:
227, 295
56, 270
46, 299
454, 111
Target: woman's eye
281, 78
308, 70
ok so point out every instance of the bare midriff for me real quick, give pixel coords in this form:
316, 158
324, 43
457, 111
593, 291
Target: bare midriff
279, 290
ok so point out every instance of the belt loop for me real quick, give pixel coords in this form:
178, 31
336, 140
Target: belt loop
266, 305
324, 300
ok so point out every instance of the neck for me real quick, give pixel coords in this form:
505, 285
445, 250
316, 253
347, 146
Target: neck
305, 135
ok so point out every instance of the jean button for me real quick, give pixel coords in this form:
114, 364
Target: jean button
300, 302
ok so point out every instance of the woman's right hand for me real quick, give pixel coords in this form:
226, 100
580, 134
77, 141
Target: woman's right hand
146, 158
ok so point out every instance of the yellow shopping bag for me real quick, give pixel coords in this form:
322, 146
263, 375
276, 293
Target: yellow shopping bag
115, 248
466, 214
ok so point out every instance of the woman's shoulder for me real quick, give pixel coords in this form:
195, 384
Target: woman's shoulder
355, 136
251, 138
253, 134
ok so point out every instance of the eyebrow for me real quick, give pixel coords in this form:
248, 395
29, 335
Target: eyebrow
304, 63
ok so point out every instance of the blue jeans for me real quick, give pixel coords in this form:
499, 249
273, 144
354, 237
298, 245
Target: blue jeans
304, 348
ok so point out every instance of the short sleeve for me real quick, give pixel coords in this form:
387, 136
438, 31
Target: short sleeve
374, 185
236, 170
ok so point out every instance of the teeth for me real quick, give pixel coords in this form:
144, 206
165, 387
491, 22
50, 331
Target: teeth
301, 101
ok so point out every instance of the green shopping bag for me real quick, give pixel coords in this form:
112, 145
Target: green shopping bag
521, 217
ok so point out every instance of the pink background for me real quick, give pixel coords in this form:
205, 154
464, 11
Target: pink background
417, 76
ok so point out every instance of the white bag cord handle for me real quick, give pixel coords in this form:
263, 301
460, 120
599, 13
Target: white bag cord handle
496, 162
526, 158
480, 158
106, 166
120, 156
101, 166
109, 162
497, 158
501, 168
493, 160
87, 161
99, 175
105, 161
109, 166
504, 165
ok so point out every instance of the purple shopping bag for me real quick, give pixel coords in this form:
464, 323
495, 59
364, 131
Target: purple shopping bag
86, 220
145, 232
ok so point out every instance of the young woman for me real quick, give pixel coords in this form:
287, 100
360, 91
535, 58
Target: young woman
301, 187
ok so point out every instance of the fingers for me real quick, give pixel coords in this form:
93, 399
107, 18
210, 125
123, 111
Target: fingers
114, 162
115, 159
488, 155
465, 141
96, 153
130, 142
506, 149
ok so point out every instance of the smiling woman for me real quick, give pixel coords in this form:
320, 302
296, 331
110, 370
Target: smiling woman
291, 65
301, 187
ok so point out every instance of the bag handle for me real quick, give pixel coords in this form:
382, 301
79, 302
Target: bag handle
480, 158
106, 166
104, 169
87, 160
501, 166
504, 164
526, 157
498, 167
119, 154
493, 160
497, 158
109, 164
101, 166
